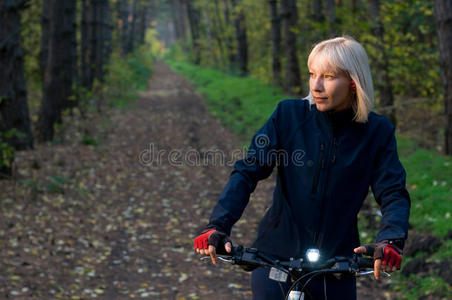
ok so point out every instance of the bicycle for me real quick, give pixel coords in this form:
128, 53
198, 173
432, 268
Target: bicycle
299, 269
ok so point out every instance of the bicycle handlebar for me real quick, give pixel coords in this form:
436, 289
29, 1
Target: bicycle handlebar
300, 268
252, 258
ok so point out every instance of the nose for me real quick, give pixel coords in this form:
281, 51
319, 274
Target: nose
316, 83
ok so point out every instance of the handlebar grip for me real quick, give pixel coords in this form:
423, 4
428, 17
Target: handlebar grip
365, 262
222, 251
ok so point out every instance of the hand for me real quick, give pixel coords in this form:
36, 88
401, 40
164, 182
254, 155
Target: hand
387, 256
210, 240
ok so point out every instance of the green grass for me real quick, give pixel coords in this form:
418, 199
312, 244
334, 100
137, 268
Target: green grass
429, 180
415, 287
244, 104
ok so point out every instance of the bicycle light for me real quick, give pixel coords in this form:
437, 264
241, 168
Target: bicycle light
313, 255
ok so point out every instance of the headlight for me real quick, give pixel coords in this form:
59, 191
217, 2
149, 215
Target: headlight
313, 255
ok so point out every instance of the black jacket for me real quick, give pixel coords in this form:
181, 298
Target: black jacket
326, 163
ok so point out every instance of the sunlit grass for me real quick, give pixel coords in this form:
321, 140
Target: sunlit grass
242, 103
429, 180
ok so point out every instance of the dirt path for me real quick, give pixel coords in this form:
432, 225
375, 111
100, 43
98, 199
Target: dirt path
116, 220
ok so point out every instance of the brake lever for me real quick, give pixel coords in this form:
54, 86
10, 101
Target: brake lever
228, 260
365, 273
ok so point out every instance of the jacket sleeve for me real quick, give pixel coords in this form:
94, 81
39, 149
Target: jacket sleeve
388, 186
258, 164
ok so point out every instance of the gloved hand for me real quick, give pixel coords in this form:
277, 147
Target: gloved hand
387, 255
211, 241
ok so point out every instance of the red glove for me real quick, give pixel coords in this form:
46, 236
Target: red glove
387, 251
211, 236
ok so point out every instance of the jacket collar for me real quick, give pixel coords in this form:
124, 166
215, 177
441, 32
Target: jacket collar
336, 117
332, 121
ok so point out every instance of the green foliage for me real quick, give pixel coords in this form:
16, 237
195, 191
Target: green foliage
411, 44
56, 184
155, 46
84, 96
6, 150
243, 104
88, 140
127, 75
258, 24
7, 154
176, 53
31, 32
410, 40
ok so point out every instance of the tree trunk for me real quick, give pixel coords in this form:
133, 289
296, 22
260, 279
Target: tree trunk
443, 15
103, 38
133, 28
292, 83
117, 19
330, 9
355, 7
93, 40
276, 41
383, 82
57, 87
209, 36
317, 11
74, 53
144, 23
193, 18
185, 24
45, 26
242, 43
177, 19
229, 41
219, 30
87, 73
108, 32
125, 25
96, 40
13, 90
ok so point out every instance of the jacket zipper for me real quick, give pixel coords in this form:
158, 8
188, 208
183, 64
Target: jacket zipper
321, 166
318, 240
332, 152
333, 159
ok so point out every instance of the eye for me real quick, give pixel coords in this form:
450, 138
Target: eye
311, 74
329, 76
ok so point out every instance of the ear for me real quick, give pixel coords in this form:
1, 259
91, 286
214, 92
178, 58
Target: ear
353, 86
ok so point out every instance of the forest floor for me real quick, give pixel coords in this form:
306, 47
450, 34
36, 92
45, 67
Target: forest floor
114, 217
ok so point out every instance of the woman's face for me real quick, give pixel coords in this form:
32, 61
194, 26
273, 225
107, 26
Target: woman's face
331, 91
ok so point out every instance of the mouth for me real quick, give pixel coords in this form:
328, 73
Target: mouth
320, 99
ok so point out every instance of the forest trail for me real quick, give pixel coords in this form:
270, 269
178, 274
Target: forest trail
116, 220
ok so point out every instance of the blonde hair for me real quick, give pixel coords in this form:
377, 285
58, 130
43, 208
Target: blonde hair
347, 55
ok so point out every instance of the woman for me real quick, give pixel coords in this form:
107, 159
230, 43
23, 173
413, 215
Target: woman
328, 150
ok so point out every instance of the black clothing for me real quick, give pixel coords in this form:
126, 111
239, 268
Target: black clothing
326, 163
264, 288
